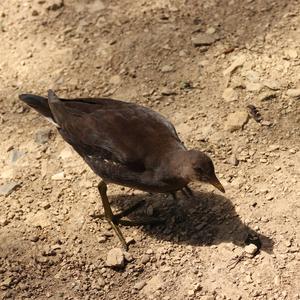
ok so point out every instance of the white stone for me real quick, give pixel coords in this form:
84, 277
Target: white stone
58, 176
238, 62
251, 249
294, 93
115, 258
229, 95
236, 120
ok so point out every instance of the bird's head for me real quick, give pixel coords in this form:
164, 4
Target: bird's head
201, 168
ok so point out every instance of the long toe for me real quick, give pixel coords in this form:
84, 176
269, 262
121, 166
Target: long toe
129, 210
144, 221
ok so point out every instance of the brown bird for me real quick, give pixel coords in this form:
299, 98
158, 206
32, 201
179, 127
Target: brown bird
126, 144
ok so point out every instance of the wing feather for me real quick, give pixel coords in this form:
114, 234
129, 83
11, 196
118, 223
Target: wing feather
122, 132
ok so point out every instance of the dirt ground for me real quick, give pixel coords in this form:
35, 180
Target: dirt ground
200, 63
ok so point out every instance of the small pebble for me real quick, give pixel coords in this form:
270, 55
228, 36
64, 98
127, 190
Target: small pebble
58, 176
167, 69
145, 259
233, 160
294, 93
251, 249
34, 238
139, 285
8, 188
115, 258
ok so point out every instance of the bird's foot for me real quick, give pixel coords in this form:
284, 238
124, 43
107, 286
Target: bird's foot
186, 191
124, 213
116, 219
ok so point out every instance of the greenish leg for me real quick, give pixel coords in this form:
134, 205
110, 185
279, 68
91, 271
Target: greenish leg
102, 187
116, 219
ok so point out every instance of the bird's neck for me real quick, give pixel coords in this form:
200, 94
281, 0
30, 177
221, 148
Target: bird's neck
177, 164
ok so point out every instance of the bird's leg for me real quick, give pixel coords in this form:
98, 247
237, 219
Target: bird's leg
116, 219
102, 187
129, 210
187, 192
184, 192
174, 195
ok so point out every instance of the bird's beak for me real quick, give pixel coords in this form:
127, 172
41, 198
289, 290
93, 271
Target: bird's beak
216, 183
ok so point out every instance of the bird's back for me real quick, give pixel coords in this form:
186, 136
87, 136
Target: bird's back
114, 130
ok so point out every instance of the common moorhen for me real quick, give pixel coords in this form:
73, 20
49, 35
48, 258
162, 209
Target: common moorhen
126, 144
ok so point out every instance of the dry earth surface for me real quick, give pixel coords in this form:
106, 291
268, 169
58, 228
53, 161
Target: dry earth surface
201, 64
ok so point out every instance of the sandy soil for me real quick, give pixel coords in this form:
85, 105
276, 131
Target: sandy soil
201, 64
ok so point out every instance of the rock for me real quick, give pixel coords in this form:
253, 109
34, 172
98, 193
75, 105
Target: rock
266, 123
115, 258
66, 153
3, 221
291, 53
8, 188
145, 259
248, 278
167, 92
273, 147
39, 219
207, 297
58, 176
139, 285
45, 205
229, 95
55, 5
204, 133
149, 251
6, 282
34, 238
128, 256
154, 284
42, 136
267, 96
252, 76
211, 30
294, 93
238, 62
15, 155
129, 240
253, 87
233, 160
182, 53
184, 129
7, 172
236, 121
272, 84
102, 239
35, 13
95, 6
98, 284
277, 280
116, 79
203, 39
167, 69
251, 249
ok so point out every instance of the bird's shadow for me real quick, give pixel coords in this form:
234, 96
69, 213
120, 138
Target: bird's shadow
205, 219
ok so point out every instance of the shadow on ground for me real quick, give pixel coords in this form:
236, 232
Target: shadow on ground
206, 219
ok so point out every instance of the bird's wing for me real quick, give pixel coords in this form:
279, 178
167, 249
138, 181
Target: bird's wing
123, 132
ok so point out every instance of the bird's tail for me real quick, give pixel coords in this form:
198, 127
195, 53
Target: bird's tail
40, 104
